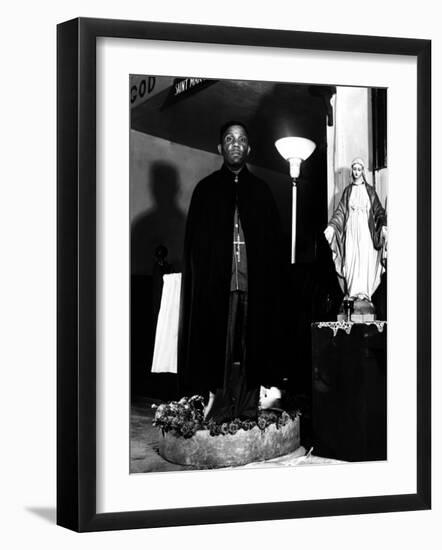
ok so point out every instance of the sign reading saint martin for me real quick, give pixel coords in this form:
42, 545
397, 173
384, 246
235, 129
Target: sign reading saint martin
184, 87
186, 84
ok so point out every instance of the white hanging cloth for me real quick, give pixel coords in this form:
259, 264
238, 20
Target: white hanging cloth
166, 337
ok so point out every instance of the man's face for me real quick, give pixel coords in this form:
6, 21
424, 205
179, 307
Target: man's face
235, 147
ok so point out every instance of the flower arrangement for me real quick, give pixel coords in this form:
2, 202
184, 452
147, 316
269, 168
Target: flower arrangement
186, 416
183, 417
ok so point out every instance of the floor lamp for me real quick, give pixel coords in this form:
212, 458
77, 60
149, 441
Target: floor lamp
294, 150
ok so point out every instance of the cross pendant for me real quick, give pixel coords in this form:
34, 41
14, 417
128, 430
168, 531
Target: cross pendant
237, 242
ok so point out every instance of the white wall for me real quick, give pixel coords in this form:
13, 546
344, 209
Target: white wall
162, 179
27, 284
190, 165
350, 137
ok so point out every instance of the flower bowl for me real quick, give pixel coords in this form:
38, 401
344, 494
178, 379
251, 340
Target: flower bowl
205, 450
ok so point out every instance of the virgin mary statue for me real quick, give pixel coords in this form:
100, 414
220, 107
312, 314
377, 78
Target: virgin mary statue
357, 235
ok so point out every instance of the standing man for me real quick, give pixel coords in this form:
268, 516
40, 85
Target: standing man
230, 305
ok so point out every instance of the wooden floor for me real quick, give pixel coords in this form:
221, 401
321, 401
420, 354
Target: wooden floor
144, 455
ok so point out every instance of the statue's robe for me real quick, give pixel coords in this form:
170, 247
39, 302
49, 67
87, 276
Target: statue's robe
377, 218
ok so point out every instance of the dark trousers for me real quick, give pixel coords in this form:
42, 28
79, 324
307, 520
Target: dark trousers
235, 399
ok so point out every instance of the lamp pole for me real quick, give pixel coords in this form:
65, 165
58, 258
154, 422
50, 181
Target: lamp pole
294, 204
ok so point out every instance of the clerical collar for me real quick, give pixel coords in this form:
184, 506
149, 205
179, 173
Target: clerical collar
243, 172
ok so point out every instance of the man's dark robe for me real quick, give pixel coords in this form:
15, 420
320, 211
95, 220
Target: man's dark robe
207, 275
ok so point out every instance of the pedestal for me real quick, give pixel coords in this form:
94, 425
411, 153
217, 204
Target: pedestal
363, 312
349, 400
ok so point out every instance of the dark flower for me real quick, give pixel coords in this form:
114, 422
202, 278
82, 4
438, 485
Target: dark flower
262, 423
197, 401
185, 430
233, 427
224, 428
176, 423
186, 416
269, 416
215, 429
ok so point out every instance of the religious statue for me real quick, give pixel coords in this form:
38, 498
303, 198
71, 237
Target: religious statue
357, 235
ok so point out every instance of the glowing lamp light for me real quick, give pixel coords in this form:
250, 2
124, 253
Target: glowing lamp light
294, 150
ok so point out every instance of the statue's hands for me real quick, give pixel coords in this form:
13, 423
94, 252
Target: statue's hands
384, 235
269, 397
329, 232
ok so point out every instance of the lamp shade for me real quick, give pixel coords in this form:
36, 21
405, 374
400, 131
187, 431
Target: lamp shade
295, 150
295, 147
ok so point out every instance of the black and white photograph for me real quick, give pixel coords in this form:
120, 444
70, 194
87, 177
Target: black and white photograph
258, 273
246, 221
220, 275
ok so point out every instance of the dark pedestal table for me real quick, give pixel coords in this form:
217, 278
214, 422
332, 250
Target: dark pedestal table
349, 399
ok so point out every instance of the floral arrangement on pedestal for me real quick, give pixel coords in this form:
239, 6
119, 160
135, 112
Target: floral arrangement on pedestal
186, 416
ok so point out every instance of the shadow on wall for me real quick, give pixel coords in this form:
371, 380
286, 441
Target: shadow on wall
342, 179
163, 224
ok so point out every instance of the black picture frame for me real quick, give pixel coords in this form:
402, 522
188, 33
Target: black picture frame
76, 274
